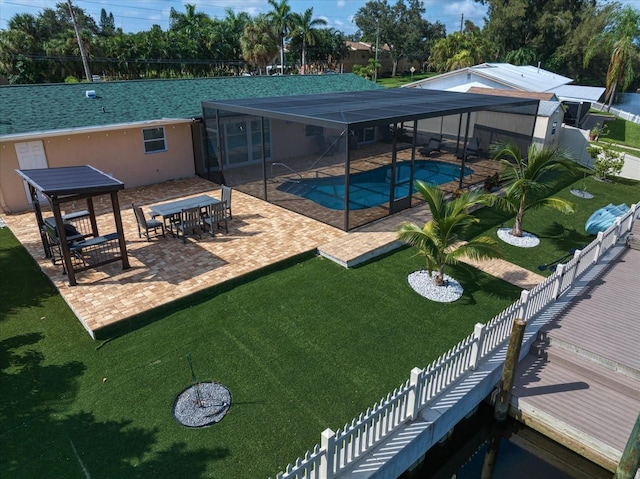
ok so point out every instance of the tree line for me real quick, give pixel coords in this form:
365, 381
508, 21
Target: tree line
594, 43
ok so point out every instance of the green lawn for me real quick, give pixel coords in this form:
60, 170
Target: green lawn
303, 348
559, 234
622, 132
309, 345
394, 82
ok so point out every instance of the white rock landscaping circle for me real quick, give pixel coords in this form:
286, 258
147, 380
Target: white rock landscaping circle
423, 284
527, 240
202, 404
581, 194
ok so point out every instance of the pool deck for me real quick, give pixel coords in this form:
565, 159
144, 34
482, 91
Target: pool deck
164, 269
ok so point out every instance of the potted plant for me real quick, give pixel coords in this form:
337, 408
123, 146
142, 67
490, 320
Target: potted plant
594, 133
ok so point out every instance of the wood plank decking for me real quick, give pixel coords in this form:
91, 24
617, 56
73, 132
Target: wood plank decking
580, 384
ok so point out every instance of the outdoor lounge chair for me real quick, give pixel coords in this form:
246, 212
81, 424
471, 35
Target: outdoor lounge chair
434, 144
190, 223
226, 199
216, 214
473, 147
145, 225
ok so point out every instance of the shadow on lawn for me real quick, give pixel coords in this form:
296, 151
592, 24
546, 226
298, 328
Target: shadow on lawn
473, 281
21, 276
38, 435
565, 238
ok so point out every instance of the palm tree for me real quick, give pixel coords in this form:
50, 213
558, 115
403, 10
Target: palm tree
283, 22
305, 28
258, 42
231, 30
191, 22
458, 50
624, 32
436, 239
524, 179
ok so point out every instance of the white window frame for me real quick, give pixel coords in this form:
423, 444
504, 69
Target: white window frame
151, 141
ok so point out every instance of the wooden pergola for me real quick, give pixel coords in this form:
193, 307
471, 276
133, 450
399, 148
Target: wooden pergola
69, 185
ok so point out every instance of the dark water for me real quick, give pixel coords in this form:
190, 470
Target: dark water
628, 102
521, 454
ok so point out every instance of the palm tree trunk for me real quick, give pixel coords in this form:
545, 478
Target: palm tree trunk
612, 95
517, 226
282, 54
304, 64
438, 280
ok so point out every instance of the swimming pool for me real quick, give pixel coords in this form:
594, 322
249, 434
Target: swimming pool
371, 188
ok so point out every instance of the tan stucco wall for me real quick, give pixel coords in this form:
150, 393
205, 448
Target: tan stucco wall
288, 140
117, 152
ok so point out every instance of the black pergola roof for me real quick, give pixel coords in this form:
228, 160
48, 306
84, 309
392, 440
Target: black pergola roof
362, 109
70, 184
70, 180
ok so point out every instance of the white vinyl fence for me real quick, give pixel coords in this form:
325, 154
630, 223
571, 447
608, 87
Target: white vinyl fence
625, 115
338, 450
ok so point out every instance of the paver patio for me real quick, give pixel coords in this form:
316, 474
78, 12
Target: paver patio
164, 269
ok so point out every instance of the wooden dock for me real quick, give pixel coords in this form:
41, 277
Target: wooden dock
580, 383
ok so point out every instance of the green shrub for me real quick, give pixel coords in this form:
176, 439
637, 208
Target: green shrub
609, 163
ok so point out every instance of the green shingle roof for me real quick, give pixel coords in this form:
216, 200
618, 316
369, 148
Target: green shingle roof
46, 107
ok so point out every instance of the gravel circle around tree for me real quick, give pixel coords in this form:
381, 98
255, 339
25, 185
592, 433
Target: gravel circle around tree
202, 404
423, 284
527, 240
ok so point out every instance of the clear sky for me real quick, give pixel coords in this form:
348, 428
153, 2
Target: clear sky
137, 15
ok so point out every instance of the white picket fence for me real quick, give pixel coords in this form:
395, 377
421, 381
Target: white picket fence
340, 449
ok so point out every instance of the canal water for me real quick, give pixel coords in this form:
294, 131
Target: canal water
514, 450
628, 102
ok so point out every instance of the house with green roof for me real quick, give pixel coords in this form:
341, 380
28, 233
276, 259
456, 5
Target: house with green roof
141, 132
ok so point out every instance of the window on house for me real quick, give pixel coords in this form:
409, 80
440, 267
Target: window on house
154, 140
312, 130
554, 126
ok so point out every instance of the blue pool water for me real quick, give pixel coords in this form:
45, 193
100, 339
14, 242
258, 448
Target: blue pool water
371, 188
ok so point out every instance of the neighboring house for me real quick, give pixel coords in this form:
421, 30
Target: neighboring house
549, 119
361, 52
504, 76
142, 132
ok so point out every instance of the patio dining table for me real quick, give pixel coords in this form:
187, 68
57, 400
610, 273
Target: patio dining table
171, 210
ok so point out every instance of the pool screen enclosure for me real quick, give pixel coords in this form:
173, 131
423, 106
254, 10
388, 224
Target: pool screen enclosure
266, 146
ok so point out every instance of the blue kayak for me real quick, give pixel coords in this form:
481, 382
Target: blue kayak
603, 218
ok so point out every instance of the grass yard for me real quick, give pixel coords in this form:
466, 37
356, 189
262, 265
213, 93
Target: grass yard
303, 348
558, 233
622, 132
399, 80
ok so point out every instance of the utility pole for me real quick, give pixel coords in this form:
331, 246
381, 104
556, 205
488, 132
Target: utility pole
461, 21
375, 67
80, 44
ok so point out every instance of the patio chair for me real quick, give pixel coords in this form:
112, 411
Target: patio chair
226, 199
190, 223
145, 225
53, 240
216, 214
